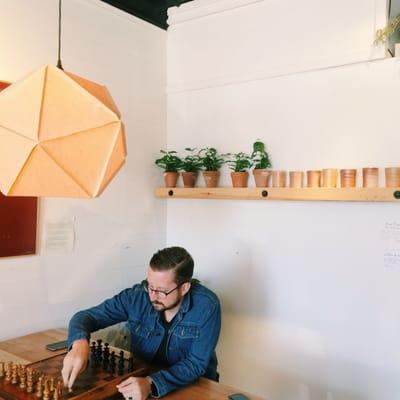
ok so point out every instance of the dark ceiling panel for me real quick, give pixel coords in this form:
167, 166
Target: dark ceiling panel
153, 11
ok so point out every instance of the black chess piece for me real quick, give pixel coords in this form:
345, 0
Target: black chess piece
112, 363
106, 356
121, 363
130, 364
99, 352
93, 355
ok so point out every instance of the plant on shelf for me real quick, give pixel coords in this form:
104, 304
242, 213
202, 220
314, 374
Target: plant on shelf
261, 162
239, 163
171, 164
389, 31
211, 162
190, 165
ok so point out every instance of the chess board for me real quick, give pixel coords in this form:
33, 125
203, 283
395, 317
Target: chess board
94, 383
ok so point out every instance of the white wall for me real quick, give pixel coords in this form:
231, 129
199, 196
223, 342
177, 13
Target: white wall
117, 233
310, 312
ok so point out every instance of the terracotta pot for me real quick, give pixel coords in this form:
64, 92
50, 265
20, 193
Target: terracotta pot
278, 178
261, 177
370, 177
211, 178
239, 179
170, 179
189, 179
348, 178
392, 176
296, 179
329, 177
313, 179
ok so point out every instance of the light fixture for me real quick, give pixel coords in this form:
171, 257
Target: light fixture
60, 135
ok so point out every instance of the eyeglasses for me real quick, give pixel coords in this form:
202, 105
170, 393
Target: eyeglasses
160, 293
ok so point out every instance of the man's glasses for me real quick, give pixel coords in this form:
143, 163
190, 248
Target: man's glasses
160, 293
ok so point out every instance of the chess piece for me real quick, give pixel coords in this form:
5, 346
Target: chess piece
1, 370
8, 371
39, 389
112, 363
46, 390
14, 374
93, 355
22, 377
106, 356
22, 381
99, 352
121, 363
29, 378
52, 387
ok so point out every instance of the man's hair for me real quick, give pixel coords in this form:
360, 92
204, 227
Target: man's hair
176, 258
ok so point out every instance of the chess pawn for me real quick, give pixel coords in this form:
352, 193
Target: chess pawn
29, 379
1, 370
52, 387
8, 371
39, 391
14, 374
56, 394
121, 363
22, 381
46, 391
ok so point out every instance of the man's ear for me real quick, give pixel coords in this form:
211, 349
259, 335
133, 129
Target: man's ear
185, 287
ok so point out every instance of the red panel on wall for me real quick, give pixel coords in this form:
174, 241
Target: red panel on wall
18, 219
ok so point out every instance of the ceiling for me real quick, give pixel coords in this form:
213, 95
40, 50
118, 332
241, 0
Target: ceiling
153, 11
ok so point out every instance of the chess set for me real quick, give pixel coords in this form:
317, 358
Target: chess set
42, 380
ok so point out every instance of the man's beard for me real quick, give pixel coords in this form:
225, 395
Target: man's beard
161, 306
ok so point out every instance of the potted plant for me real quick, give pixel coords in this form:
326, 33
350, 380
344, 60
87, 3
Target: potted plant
262, 162
239, 163
211, 162
171, 163
190, 165
390, 31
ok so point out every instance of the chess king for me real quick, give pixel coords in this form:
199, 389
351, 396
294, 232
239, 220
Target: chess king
173, 321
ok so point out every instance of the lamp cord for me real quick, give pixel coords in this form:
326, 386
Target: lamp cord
59, 64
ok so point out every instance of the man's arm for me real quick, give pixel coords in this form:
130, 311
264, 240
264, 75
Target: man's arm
195, 364
108, 313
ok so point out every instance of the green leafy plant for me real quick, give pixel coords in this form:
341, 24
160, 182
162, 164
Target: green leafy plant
191, 162
169, 161
210, 159
239, 162
382, 35
259, 156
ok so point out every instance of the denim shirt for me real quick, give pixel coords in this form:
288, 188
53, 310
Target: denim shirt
192, 337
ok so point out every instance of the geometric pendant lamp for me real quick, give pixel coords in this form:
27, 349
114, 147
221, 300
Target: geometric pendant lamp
60, 135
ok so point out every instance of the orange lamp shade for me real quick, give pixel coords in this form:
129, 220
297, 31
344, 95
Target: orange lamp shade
60, 136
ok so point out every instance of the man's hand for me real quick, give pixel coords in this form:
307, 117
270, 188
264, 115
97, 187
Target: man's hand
75, 361
135, 388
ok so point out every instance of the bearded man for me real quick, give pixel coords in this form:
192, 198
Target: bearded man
174, 323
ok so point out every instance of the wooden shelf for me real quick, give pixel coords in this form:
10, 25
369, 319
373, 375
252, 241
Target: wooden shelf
308, 194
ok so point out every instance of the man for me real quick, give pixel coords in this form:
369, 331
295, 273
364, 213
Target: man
173, 322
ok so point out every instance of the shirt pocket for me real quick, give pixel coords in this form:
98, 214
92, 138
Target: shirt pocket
183, 332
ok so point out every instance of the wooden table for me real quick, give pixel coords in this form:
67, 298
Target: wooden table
32, 348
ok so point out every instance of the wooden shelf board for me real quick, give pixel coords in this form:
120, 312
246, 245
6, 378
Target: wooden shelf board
307, 194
